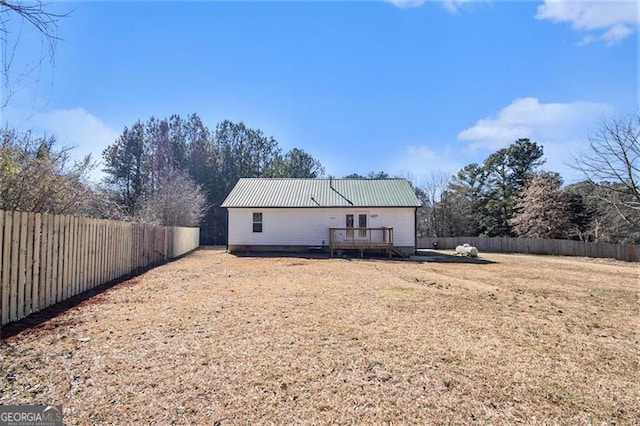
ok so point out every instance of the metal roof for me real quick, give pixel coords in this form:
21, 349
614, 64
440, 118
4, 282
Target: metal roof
258, 192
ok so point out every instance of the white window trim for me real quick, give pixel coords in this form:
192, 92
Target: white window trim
253, 223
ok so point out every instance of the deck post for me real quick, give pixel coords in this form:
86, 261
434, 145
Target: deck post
360, 239
331, 241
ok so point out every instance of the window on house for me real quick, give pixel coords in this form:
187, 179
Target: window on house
257, 222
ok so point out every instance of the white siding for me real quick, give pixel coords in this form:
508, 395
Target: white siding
310, 226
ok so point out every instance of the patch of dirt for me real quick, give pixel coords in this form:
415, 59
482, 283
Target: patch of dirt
218, 339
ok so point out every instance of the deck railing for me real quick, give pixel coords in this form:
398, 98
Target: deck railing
360, 238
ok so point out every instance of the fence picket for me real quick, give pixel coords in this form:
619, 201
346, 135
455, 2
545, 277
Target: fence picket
60, 257
5, 231
99, 257
67, 259
22, 265
92, 254
37, 238
44, 239
75, 256
48, 284
85, 254
15, 256
28, 291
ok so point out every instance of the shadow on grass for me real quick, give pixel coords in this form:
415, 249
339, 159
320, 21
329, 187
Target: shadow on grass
91, 296
433, 256
38, 318
320, 254
352, 255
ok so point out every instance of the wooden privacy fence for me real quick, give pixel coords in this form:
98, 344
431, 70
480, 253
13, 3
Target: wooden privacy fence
628, 252
45, 259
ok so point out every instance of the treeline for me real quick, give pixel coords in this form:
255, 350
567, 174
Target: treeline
177, 171
168, 171
511, 195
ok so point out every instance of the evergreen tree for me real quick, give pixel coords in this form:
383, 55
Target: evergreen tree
163, 166
296, 164
505, 174
126, 166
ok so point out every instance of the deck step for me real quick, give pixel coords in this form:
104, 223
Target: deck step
398, 253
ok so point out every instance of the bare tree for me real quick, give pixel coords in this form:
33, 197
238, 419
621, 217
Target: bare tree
432, 216
612, 166
179, 201
437, 216
542, 210
37, 176
34, 15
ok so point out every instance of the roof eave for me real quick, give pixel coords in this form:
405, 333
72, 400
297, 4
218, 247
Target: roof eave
318, 207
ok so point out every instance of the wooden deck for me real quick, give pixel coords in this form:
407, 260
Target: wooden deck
361, 239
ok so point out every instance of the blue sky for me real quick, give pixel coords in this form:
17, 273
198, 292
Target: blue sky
408, 87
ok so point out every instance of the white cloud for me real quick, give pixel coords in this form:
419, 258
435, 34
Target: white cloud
615, 34
421, 152
404, 4
75, 127
612, 21
453, 6
560, 128
417, 162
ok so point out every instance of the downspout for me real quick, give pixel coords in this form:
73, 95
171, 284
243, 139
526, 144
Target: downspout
227, 215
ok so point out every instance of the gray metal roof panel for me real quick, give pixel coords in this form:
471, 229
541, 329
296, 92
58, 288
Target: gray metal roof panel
262, 192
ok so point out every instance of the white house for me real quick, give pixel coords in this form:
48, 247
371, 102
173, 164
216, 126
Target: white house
334, 214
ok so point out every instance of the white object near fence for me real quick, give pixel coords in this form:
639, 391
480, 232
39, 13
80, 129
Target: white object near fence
467, 250
626, 252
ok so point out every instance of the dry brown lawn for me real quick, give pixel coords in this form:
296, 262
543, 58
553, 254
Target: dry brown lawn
218, 339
